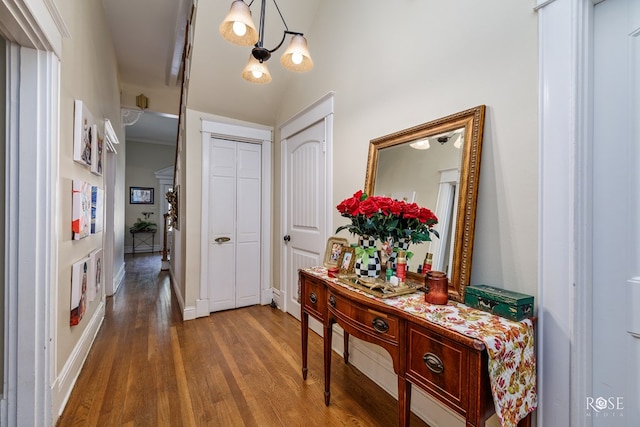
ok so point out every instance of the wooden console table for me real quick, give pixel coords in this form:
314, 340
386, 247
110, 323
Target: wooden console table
446, 364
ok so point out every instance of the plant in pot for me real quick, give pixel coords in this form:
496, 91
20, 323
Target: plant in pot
143, 226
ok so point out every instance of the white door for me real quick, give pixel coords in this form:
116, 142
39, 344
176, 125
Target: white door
305, 201
616, 217
234, 224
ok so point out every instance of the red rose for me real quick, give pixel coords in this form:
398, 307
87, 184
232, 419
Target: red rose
368, 207
349, 206
385, 204
427, 217
396, 207
411, 210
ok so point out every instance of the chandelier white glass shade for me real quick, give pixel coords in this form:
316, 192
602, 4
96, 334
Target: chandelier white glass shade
256, 71
238, 28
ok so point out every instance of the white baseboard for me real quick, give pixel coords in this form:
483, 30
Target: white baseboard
188, 313
118, 278
276, 297
66, 380
202, 308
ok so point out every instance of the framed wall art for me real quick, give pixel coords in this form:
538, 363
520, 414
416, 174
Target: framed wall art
141, 195
97, 149
79, 282
81, 209
94, 283
97, 210
83, 134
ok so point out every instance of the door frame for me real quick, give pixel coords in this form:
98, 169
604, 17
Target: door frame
320, 110
165, 181
245, 132
565, 106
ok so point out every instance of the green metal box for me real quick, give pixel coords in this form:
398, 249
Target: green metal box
501, 302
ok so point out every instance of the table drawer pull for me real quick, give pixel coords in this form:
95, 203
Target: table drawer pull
332, 301
433, 362
313, 297
380, 325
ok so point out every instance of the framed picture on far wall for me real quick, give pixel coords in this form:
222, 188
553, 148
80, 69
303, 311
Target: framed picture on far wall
141, 195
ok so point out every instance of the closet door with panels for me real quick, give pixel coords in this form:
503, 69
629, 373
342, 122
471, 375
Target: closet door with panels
234, 224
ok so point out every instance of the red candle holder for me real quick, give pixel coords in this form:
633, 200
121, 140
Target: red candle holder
437, 287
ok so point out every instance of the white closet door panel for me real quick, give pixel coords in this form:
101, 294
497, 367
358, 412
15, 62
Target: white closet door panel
249, 189
249, 160
248, 274
222, 207
235, 203
223, 158
248, 217
222, 202
222, 278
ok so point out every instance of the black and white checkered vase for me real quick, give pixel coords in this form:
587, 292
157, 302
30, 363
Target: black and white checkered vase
373, 268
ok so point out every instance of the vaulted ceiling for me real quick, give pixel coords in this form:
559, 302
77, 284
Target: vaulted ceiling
148, 38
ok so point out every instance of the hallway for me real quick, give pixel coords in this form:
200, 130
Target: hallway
234, 368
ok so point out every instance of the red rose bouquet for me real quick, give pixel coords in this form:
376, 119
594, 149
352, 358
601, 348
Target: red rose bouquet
383, 218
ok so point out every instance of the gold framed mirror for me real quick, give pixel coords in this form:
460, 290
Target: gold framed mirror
437, 166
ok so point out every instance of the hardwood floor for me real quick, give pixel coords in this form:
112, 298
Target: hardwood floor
234, 368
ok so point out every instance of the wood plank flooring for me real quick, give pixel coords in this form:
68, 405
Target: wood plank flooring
234, 368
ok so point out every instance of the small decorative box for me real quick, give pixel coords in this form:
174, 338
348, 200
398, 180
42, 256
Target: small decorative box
509, 304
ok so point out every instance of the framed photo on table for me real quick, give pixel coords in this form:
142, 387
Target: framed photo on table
333, 251
347, 260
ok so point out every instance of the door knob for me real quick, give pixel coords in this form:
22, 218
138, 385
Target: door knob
222, 239
287, 238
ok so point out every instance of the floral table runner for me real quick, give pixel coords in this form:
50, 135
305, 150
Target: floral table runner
512, 364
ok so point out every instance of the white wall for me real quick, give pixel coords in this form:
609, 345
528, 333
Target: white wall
89, 73
143, 159
399, 64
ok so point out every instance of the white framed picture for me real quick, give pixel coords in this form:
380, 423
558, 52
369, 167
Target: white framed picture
94, 282
79, 281
81, 209
97, 150
83, 134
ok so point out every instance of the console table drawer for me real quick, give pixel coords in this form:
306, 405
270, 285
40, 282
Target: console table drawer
440, 365
371, 322
314, 300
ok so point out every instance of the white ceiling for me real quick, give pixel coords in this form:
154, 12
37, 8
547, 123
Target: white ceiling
148, 38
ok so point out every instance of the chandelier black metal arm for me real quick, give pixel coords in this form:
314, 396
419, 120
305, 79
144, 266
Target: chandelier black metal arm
263, 54
238, 27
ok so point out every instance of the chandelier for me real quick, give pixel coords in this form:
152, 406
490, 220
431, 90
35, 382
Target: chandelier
238, 28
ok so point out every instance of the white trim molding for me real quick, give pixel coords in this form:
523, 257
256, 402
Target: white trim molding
246, 132
71, 370
564, 284
31, 216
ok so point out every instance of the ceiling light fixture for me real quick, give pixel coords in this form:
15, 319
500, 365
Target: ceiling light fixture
238, 28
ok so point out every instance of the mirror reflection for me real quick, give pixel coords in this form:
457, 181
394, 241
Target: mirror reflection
435, 165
